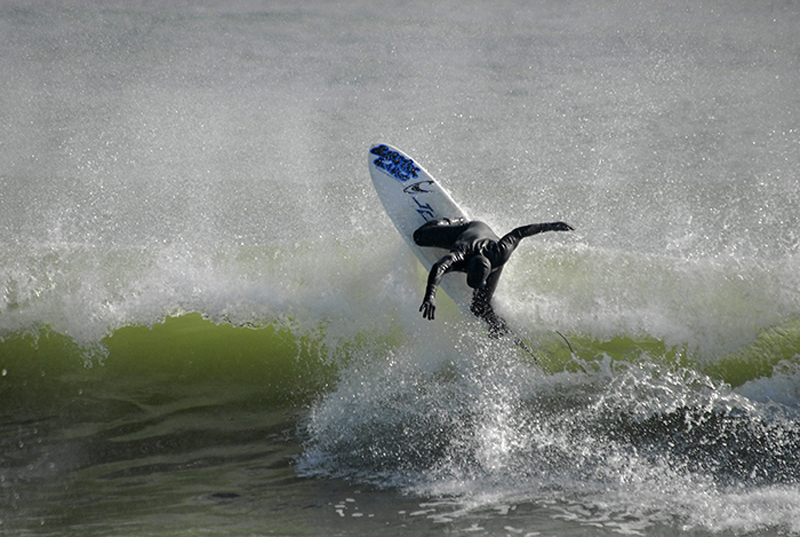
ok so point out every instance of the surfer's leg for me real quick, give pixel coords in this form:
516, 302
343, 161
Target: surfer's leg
482, 308
439, 233
497, 327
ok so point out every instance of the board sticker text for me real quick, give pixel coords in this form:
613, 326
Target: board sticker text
398, 166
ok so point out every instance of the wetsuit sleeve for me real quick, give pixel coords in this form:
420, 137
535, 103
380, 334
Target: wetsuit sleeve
438, 270
509, 242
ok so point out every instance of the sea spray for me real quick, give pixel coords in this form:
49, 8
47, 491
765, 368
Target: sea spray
488, 428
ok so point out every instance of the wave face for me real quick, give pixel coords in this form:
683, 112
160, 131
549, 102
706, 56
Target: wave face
188, 228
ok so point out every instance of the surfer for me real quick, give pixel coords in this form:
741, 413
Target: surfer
477, 251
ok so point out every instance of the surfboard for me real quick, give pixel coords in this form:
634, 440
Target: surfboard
411, 197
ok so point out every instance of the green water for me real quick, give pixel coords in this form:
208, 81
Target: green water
191, 426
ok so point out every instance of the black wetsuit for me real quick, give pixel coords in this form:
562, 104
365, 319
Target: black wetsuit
466, 242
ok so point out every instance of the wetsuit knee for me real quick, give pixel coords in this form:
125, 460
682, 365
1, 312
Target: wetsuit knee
439, 233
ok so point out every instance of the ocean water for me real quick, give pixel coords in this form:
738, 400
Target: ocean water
209, 326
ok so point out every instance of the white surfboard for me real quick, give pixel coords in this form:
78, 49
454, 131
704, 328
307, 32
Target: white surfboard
412, 197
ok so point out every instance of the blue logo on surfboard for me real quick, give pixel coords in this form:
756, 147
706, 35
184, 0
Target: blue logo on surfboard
400, 167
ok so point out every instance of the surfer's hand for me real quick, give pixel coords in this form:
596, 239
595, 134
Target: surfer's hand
427, 308
559, 226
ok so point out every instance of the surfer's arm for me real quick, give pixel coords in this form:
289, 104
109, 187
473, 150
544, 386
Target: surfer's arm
438, 270
533, 229
510, 241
